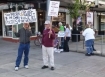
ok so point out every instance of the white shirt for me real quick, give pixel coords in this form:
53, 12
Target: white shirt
88, 34
67, 32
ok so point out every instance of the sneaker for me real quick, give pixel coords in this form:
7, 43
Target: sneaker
87, 54
52, 68
26, 66
16, 68
92, 53
94, 49
44, 67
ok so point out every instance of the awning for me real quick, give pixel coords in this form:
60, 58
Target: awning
97, 9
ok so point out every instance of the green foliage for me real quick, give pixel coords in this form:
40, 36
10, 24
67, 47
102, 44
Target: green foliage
73, 9
76, 7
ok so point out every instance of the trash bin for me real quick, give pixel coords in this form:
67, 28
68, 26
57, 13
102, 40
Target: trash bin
101, 33
75, 35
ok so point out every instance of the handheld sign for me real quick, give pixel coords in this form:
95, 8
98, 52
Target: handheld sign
23, 16
53, 8
61, 34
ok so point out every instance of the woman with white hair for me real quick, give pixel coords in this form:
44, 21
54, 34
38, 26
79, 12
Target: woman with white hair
61, 28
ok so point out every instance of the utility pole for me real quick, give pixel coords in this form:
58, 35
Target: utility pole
95, 16
48, 17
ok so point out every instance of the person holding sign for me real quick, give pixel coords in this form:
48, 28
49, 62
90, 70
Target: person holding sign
47, 45
24, 37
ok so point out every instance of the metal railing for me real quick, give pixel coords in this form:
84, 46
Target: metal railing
79, 45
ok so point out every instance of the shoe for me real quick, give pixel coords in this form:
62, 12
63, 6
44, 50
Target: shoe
44, 67
16, 68
92, 53
26, 66
87, 54
52, 68
94, 49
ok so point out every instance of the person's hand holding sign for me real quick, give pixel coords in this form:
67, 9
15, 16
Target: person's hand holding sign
50, 32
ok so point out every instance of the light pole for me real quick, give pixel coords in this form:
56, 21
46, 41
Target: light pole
95, 15
48, 17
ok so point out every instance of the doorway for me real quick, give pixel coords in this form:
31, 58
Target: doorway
41, 20
0, 23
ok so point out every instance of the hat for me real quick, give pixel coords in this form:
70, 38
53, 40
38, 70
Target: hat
47, 22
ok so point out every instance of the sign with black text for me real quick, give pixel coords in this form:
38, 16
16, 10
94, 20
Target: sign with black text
53, 8
19, 17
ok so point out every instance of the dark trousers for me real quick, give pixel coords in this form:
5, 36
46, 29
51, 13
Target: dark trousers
62, 42
93, 46
23, 48
66, 46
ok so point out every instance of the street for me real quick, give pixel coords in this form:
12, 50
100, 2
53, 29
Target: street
67, 64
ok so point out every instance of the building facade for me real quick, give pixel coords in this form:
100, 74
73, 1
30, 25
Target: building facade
6, 30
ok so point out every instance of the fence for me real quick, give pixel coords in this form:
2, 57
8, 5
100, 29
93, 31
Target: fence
79, 45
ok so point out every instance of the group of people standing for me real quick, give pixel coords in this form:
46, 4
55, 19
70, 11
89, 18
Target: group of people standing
48, 37
67, 34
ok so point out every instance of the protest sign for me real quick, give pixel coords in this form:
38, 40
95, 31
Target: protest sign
53, 8
61, 34
19, 17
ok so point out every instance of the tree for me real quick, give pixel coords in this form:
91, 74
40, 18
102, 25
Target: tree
75, 8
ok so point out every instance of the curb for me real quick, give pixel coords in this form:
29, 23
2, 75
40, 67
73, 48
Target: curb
98, 53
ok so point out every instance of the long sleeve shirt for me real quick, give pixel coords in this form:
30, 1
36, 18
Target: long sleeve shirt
46, 40
24, 35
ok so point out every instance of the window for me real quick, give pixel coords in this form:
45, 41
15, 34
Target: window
33, 29
61, 18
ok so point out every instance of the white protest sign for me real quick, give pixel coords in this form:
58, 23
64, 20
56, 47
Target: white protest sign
19, 17
53, 8
89, 16
61, 34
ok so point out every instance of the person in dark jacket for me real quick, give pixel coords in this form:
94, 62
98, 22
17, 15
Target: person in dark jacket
24, 37
47, 45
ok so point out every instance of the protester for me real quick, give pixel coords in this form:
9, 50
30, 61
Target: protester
61, 28
67, 38
88, 33
24, 37
47, 45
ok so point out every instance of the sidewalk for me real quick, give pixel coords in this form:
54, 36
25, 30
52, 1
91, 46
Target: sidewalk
80, 47
69, 64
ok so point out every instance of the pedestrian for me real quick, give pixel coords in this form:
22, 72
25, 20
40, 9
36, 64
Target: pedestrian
47, 45
91, 26
67, 38
88, 33
62, 29
24, 46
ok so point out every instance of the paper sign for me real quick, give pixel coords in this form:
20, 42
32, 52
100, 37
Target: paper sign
53, 8
61, 34
19, 17
89, 16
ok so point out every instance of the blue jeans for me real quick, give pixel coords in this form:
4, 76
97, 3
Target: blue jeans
23, 48
89, 44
